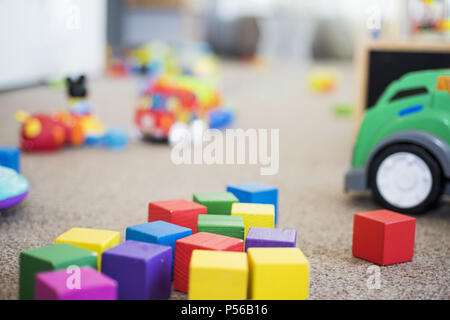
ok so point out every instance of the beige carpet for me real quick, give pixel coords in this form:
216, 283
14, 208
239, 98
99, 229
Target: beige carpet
102, 189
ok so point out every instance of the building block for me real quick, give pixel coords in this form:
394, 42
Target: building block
231, 226
383, 237
218, 275
278, 274
180, 212
202, 241
254, 215
142, 270
92, 285
216, 202
270, 237
90, 239
10, 157
256, 192
54, 257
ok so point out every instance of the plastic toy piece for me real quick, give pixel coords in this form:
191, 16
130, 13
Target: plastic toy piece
383, 237
218, 275
216, 202
13, 188
256, 192
115, 139
90, 239
92, 285
278, 274
231, 226
269, 237
180, 212
10, 157
202, 241
142, 270
54, 257
255, 215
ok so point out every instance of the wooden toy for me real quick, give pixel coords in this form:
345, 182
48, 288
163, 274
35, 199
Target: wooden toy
255, 192
383, 237
10, 157
218, 275
92, 285
231, 226
216, 202
180, 212
254, 215
90, 239
13, 187
269, 237
142, 270
278, 274
53, 257
202, 241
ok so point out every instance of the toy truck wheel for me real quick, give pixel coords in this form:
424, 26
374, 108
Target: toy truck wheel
405, 178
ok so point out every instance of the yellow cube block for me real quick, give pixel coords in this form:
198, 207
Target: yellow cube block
90, 239
218, 275
278, 274
254, 215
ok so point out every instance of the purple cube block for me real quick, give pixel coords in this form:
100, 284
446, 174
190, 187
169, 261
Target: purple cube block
82, 283
270, 237
143, 270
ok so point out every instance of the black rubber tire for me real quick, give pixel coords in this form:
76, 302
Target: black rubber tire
436, 174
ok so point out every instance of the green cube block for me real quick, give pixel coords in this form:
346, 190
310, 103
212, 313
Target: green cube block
231, 226
54, 257
216, 202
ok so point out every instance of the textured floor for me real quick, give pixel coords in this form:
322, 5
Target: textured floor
103, 189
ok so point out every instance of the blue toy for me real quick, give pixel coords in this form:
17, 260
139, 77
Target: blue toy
13, 187
115, 139
255, 192
10, 157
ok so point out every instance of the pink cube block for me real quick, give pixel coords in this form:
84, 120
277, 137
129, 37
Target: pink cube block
84, 283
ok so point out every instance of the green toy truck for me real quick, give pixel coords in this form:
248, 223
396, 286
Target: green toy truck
402, 153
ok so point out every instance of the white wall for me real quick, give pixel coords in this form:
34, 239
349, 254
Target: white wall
44, 39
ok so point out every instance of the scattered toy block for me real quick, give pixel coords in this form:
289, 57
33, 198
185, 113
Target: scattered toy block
216, 202
255, 192
54, 257
254, 215
202, 241
142, 270
218, 275
231, 226
180, 212
10, 157
82, 284
90, 239
270, 237
278, 274
383, 237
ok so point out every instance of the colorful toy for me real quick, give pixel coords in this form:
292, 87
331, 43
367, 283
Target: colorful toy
218, 275
90, 239
254, 215
383, 237
322, 81
278, 274
142, 270
13, 188
216, 202
269, 237
255, 192
231, 226
180, 212
53, 257
402, 152
202, 241
10, 157
93, 285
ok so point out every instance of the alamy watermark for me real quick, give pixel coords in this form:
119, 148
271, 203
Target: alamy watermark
374, 279
74, 280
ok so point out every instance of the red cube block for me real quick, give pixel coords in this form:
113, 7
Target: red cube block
180, 212
203, 241
383, 237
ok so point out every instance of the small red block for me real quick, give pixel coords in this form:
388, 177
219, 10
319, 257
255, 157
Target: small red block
203, 241
383, 237
180, 212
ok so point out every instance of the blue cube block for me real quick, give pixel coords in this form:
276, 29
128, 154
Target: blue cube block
10, 157
255, 192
